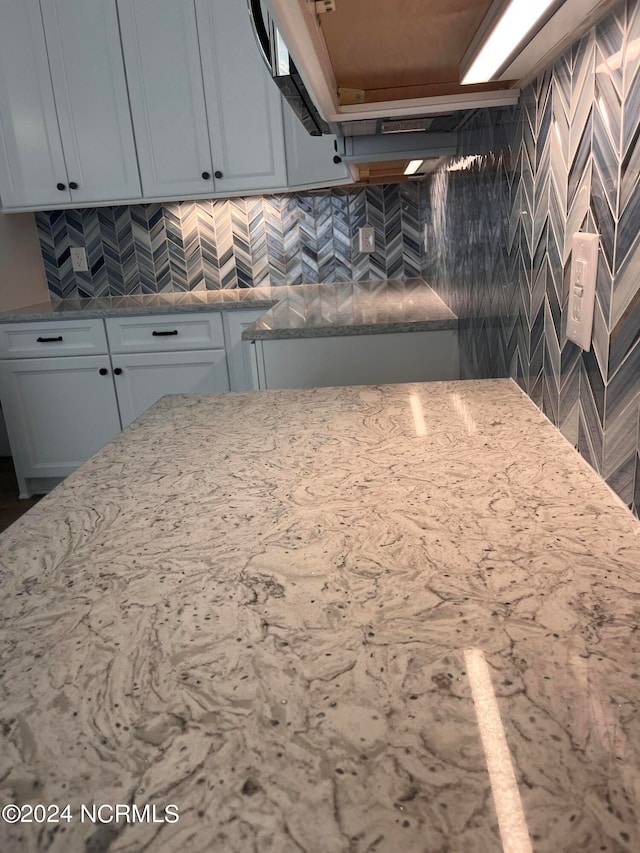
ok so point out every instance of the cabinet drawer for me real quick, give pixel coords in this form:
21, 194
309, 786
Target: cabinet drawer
165, 333
63, 337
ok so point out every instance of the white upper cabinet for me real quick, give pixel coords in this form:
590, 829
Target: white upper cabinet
31, 159
78, 78
310, 159
243, 103
162, 59
65, 128
87, 70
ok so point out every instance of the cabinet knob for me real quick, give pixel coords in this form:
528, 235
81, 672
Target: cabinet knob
61, 187
206, 176
337, 159
117, 371
73, 185
218, 174
103, 371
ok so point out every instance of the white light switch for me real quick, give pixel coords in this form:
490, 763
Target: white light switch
582, 292
79, 259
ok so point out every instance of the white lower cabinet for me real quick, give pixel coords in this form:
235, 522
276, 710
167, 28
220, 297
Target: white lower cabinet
59, 411
68, 387
241, 355
359, 359
143, 378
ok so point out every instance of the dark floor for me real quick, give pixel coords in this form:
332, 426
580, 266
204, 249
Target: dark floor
11, 507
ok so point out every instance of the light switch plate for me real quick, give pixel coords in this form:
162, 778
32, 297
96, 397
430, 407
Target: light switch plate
79, 259
367, 239
582, 288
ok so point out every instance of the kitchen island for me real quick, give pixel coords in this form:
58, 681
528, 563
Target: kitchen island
261, 609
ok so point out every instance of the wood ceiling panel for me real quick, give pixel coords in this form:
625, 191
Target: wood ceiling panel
385, 44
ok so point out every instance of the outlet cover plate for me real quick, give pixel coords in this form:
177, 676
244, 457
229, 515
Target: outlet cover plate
582, 291
367, 239
79, 259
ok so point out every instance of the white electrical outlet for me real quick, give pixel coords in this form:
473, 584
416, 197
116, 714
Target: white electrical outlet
425, 237
582, 292
367, 239
79, 259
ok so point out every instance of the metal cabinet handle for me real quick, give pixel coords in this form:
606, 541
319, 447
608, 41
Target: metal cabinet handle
61, 186
73, 185
117, 371
218, 174
164, 334
103, 371
206, 176
49, 340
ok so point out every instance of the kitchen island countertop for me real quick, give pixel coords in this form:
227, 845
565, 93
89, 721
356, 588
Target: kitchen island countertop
261, 608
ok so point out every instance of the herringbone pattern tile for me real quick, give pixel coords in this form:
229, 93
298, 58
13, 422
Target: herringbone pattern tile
239, 242
569, 161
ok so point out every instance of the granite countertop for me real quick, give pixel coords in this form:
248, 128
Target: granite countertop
151, 303
354, 308
303, 310
271, 609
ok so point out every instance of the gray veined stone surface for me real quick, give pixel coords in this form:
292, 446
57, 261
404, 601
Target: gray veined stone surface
159, 303
256, 607
353, 308
297, 311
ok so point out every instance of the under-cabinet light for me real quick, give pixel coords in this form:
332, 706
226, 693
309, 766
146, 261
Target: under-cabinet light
518, 19
413, 167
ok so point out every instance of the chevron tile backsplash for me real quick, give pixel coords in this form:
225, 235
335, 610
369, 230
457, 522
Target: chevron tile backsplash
239, 242
567, 158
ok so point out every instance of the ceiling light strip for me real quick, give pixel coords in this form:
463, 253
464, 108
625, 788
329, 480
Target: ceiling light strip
518, 20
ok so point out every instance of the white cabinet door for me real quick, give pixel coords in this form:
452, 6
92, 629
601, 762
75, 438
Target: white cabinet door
361, 359
310, 158
162, 58
244, 108
87, 70
241, 355
31, 159
58, 411
142, 379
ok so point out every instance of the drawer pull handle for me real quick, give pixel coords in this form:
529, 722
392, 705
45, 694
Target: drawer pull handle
49, 340
164, 334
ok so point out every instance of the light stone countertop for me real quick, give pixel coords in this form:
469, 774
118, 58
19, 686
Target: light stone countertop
353, 308
257, 607
147, 303
303, 310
